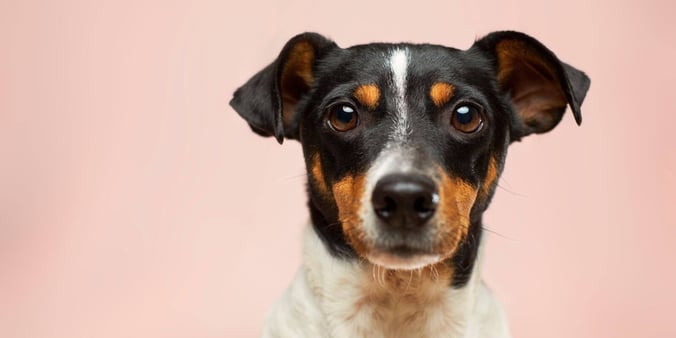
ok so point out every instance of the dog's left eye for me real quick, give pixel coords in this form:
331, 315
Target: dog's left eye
342, 117
467, 118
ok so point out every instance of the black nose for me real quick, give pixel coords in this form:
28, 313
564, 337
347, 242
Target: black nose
405, 200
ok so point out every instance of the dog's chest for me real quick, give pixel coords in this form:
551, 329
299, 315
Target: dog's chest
421, 315
334, 298
389, 304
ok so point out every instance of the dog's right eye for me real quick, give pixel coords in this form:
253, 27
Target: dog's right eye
342, 117
467, 118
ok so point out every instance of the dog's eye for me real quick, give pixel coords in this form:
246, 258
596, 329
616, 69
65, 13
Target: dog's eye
342, 117
467, 118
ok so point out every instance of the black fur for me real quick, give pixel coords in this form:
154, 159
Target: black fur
336, 73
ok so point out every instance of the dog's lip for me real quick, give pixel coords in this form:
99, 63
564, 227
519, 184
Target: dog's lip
403, 245
402, 250
402, 258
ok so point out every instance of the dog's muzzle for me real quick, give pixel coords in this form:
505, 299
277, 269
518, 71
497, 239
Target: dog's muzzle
404, 205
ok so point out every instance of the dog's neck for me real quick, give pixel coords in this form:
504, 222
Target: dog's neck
357, 298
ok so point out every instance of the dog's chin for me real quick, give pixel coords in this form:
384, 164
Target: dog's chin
395, 261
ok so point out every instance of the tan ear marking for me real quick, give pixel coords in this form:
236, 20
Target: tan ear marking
296, 77
441, 93
533, 83
368, 95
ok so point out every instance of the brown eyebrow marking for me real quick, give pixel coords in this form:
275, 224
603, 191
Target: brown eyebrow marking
441, 93
368, 95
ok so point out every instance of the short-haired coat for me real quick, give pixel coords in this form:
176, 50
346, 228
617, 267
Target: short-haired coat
403, 146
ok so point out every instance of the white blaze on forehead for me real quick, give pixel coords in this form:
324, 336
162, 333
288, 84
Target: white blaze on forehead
395, 157
399, 60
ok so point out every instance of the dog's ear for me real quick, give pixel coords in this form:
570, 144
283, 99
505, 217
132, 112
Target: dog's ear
540, 85
268, 100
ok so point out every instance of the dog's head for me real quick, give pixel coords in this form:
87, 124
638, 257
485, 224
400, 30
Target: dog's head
404, 143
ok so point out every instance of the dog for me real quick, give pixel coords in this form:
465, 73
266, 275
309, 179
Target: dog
403, 145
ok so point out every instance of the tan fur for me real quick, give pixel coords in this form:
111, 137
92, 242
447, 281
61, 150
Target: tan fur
347, 193
368, 95
318, 175
550, 96
296, 77
456, 200
441, 93
394, 299
491, 178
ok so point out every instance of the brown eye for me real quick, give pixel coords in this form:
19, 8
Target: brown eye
342, 117
467, 118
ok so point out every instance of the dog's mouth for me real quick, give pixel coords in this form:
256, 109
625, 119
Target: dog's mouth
405, 248
402, 257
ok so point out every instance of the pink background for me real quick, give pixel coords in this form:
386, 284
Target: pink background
135, 203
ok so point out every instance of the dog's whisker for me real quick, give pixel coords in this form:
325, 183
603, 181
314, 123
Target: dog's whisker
498, 234
410, 278
510, 191
333, 224
294, 177
434, 272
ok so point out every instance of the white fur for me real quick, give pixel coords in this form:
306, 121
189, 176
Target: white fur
337, 298
398, 62
391, 160
394, 159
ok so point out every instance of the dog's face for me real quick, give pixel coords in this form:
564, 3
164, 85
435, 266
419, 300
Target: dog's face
404, 143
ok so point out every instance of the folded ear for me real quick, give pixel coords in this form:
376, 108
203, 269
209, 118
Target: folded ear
540, 85
268, 100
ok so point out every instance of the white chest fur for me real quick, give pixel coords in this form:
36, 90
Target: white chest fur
334, 298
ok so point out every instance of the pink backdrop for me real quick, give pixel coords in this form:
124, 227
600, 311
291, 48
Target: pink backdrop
135, 203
